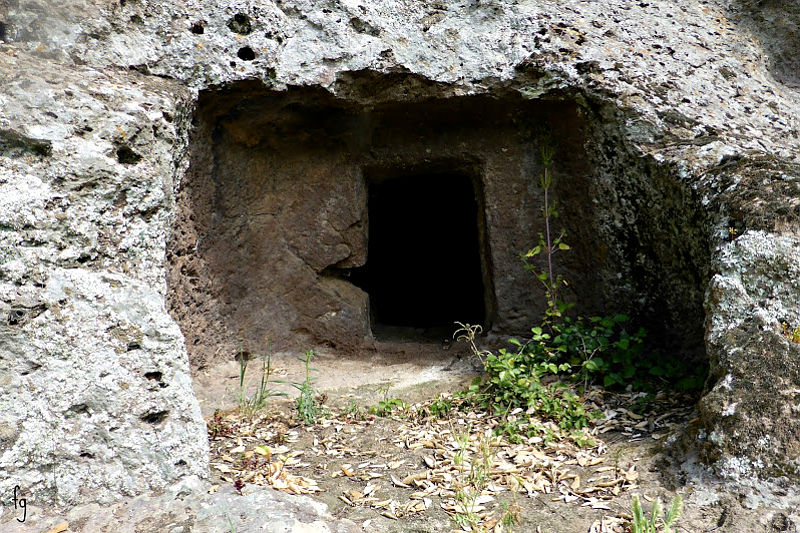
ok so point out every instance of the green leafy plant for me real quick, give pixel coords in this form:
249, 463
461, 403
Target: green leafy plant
308, 402
603, 350
599, 346
586, 349
441, 406
793, 334
512, 382
387, 406
548, 244
542, 374
657, 520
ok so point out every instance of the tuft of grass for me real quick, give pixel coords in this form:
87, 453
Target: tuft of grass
641, 524
473, 458
510, 516
481, 465
308, 403
465, 516
461, 441
250, 404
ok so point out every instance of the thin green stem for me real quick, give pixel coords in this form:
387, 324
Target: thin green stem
552, 284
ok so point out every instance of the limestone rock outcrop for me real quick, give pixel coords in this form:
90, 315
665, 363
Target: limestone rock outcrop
97, 397
688, 208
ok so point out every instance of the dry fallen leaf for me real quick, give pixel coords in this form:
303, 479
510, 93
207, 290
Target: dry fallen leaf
262, 451
398, 482
58, 528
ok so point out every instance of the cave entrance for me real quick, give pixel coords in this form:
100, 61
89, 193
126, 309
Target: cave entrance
309, 219
424, 268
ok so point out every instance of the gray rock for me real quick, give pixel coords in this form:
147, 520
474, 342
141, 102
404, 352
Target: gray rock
691, 149
187, 506
97, 398
752, 404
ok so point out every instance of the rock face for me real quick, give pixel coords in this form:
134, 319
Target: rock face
275, 228
97, 397
188, 506
238, 151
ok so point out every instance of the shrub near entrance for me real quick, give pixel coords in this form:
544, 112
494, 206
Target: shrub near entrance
575, 351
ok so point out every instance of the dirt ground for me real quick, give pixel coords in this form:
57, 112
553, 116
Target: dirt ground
404, 472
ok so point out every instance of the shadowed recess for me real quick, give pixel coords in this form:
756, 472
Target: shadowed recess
423, 265
307, 219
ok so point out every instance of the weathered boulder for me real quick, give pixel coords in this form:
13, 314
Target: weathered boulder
188, 506
96, 390
750, 412
680, 180
776, 23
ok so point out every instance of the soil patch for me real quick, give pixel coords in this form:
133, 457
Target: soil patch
418, 469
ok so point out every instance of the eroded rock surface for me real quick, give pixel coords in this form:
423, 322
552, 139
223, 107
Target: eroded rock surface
188, 506
680, 97
272, 233
97, 398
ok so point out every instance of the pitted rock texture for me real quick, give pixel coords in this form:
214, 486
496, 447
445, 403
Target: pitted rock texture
189, 506
751, 353
97, 397
274, 227
777, 25
682, 95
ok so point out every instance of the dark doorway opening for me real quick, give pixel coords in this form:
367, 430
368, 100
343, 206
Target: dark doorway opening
423, 267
